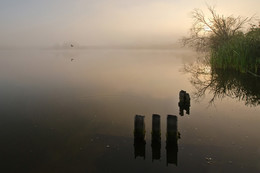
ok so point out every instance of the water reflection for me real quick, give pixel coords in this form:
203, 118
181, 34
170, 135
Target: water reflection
139, 146
172, 136
223, 83
76, 117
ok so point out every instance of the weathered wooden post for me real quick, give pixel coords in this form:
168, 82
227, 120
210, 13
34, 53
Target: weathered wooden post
184, 102
156, 137
171, 140
156, 128
139, 136
139, 131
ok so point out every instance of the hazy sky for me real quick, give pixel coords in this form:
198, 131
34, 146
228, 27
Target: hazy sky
102, 22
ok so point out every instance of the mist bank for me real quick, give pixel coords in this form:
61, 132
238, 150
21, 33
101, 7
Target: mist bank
103, 23
73, 46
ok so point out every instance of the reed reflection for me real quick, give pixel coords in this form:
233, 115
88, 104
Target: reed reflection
223, 83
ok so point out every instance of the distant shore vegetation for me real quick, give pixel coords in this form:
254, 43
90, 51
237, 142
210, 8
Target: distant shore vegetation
232, 43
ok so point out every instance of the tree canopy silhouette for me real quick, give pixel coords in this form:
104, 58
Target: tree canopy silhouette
209, 32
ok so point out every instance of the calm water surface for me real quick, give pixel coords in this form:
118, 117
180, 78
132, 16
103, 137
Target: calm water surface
73, 111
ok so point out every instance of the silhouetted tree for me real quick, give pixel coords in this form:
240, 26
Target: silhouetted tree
209, 32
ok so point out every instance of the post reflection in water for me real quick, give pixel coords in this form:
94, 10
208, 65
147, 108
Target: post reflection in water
172, 137
172, 140
139, 136
156, 138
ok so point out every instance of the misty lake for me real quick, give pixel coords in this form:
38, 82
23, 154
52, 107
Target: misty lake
74, 110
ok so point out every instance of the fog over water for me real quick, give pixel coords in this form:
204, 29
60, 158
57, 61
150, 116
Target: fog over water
75, 73
104, 22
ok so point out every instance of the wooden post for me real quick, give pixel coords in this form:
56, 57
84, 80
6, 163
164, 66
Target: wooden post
139, 131
171, 140
139, 136
184, 102
172, 129
156, 137
156, 128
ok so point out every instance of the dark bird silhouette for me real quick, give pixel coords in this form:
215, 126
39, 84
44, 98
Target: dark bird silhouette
71, 45
71, 59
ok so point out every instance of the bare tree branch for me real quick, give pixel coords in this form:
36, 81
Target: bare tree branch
220, 28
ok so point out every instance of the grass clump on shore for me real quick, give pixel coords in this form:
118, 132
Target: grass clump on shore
241, 53
227, 40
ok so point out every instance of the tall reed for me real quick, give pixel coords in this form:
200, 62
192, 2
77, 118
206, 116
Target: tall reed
224, 39
241, 52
